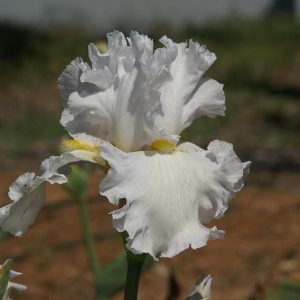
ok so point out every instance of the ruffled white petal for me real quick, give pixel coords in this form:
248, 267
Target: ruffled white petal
23, 183
171, 195
28, 191
142, 46
69, 81
28, 194
90, 115
208, 100
99, 60
230, 165
116, 39
186, 96
54, 167
113, 98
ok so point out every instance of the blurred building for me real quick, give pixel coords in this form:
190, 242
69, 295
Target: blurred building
103, 15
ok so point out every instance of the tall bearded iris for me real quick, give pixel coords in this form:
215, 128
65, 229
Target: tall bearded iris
126, 111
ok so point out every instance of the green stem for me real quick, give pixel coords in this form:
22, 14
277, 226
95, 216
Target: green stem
89, 240
134, 267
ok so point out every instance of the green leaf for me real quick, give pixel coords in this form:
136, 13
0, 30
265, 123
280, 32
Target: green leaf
4, 276
112, 275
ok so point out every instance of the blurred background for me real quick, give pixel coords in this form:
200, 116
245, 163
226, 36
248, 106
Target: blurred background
258, 48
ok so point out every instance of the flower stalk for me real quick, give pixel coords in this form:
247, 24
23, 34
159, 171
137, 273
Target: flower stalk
78, 187
89, 242
135, 263
134, 268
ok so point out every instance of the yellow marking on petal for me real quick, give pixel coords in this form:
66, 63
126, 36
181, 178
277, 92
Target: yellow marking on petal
71, 144
162, 145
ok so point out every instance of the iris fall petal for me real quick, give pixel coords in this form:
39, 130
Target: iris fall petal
169, 196
28, 191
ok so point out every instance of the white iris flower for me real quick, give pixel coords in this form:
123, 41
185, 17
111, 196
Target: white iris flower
127, 111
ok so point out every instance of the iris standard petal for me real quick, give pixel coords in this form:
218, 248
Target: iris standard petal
69, 80
208, 100
90, 115
186, 96
142, 45
115, 96
169, 196
132, 96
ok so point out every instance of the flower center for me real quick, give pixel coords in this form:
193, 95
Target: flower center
162, 145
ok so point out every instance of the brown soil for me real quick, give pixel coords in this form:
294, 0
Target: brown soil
260, 249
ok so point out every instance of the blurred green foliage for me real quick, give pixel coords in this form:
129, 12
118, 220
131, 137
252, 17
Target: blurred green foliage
27, 53
287, 291
33, 126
